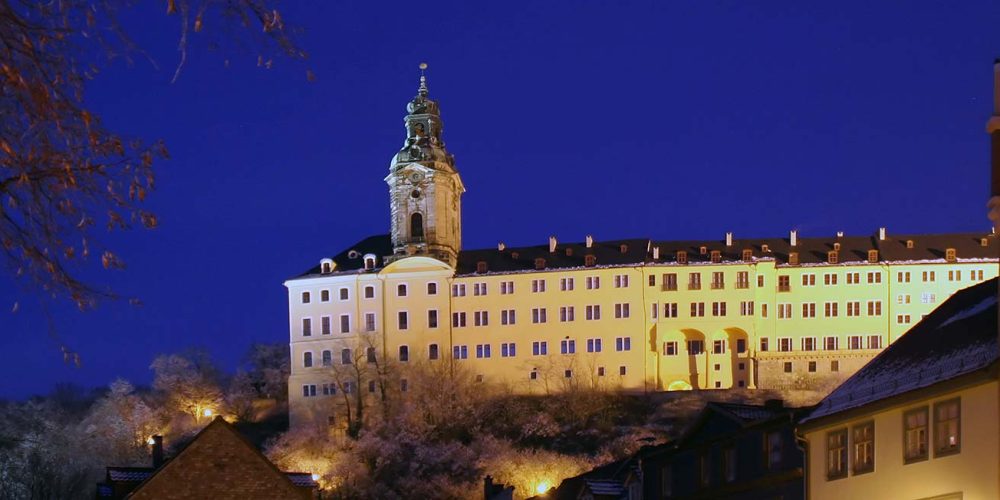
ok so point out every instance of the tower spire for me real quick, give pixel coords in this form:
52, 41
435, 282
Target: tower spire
422, 89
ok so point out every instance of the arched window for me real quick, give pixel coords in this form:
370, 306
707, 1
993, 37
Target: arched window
417, 225
327, 358
307, 359
345, 356
589, 260
404, 353
370, 354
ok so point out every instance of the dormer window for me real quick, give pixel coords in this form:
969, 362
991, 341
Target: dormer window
353, 254
703, 250
326, 266
949, 254
832, 257
682, 257
369, 262
569, 252
623, 248
872, 256
909, 243
793, 258
589, 260
481, 267
747, 254
983, 242
764, 248
716, 256
514, 255
539, 263
836, 247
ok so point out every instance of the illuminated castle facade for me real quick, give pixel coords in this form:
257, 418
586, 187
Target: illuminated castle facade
638, 315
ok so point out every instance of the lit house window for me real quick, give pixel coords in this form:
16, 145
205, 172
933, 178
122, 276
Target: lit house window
915, 435
947, 427
863, 437
836, 454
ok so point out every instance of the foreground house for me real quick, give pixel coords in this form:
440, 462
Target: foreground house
920, 420
218, 463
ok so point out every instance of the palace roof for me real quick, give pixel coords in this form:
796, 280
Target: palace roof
956, 339
851, 250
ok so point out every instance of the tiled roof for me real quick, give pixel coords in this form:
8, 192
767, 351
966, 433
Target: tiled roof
852, 249
957, 338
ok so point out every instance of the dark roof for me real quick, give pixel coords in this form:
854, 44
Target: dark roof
638, 251
603, 477
129, 473
957, 338
751, 414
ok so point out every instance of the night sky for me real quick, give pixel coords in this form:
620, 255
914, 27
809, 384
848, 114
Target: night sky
673, 120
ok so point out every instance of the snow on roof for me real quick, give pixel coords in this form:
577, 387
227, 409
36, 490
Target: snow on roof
957, 338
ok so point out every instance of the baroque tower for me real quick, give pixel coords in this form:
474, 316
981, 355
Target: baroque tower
425, 190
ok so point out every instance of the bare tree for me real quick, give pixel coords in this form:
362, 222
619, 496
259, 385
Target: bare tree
62, 172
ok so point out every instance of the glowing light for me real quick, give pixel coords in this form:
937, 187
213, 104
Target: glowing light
150, 441
542, 487
207, 412
315, 477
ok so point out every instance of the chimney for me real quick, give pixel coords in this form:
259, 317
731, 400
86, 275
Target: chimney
501, 246
729, 239
793, 237
157, 451
881, 234
552, 244
590, 241
656, 253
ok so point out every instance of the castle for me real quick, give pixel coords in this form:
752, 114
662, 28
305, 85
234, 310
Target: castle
635, 315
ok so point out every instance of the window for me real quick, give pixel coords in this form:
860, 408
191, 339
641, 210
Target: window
682, 257
330, 390
621, 281
566, 284
915, 435
669, 281
481, 318
432, 288
830, 309
853, 278
621, 311
593, 312
623, 344
669, 309
345, 356
538, 315
567, 313
654, 311
670, 348
370, 355
830, 279
874, 342
832, 257
307, 359
324, 326
741, 346
694, 281
788, 367
457, 319
775, 445
539, 348
835, 366
874, 277
784, 284
460, 352
568, 373
874, 307
927, 276
508, 350
433, 352
854, 342
863, 437
344, 294
903, 319
324, 295
593, 282
401, 290
903, 299
809, 310
742, 279
695, 347
506, 287
537, 286
808, 280
836, 454
785, 344
345, 323
404, 353
371, 386
369, 292
432, 318
763, 310
507, 317
533, 375
309, 390
947, 427
369, 322
760, 281
718, 347
808, 343
479, 289
715, 256
403, 319
622, 370
697, 309
949, 254
718, 280
482, 267
853, 309
652, 280
830, 343
718, 308
567, 347
589, 260
458, 290
785, 311
812, 367
539, 263
327, 357
763, 344
307, 327
928, 298
305, 297
903, 277
483, 351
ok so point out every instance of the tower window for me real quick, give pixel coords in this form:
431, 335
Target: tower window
417, 225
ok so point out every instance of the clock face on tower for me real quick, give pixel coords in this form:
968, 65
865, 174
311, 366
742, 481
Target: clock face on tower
416, 177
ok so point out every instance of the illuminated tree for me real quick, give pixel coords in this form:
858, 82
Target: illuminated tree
189, 384
62, 172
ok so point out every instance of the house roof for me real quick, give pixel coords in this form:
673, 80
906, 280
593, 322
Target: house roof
957, 338
639, 251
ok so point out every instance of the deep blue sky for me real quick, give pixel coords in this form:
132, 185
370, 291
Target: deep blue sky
620, 119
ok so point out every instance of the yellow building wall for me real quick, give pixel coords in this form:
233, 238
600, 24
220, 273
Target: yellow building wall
973, 471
